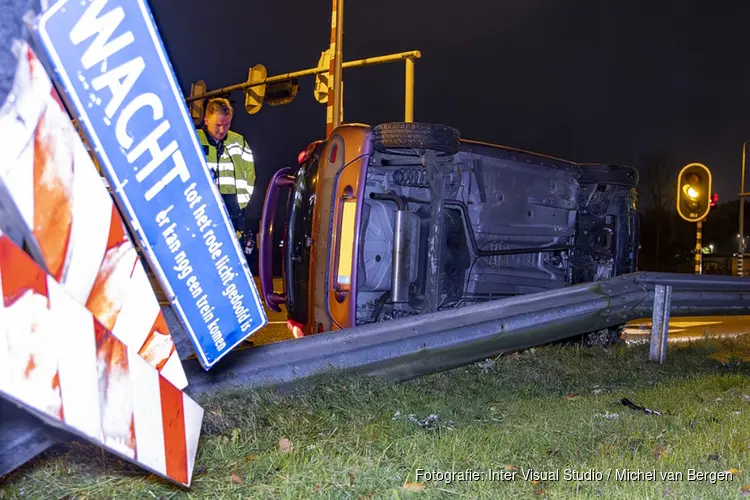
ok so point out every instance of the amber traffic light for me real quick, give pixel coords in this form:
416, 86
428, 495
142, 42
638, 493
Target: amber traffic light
694, 192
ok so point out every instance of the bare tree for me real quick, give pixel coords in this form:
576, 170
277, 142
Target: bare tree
657, 190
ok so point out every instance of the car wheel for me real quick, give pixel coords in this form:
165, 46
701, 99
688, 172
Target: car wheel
401, 137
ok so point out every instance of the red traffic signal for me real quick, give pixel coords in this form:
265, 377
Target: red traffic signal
714, 199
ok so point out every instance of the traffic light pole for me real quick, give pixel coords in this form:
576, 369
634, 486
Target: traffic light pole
698, 252
741, 232
694, 201
333, 107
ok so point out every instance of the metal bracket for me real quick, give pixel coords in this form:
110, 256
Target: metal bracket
660, 323
435, 238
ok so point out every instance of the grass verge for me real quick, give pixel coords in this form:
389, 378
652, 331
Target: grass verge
554, 409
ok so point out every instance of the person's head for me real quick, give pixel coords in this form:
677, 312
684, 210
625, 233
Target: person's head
218, 118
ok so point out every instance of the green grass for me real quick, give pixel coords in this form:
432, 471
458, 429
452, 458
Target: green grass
542, 409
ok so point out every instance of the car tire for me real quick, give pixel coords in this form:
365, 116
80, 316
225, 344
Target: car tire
400, 138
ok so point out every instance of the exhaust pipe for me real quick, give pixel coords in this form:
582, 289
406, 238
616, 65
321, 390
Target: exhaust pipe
400, 263
401, 244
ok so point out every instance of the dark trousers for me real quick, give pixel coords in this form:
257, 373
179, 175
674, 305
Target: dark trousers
245, 228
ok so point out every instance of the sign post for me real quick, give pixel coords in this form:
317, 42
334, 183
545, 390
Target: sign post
108, 58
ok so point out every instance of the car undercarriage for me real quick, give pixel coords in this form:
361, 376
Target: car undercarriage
447, 224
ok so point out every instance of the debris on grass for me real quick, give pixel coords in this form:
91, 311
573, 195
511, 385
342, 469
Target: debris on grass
431, 422
659, 450
633, 406
486, 365
608, 415
413, 486
285, 445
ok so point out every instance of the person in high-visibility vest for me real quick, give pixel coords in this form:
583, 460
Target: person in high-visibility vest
231, 163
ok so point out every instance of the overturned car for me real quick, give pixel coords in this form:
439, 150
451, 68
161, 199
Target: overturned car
408, 218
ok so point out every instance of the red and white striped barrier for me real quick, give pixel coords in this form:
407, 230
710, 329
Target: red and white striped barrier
59, 362
64, 202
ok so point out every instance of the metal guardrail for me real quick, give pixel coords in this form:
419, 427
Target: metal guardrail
418, 345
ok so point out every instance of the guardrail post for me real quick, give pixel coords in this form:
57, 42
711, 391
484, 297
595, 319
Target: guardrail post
660, 323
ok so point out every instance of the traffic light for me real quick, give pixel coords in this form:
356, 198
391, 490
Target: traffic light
714, 200
281, 93
197, 107
254, 95
321, 79
693, 188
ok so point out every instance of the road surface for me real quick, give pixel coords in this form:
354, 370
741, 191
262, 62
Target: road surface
691, 328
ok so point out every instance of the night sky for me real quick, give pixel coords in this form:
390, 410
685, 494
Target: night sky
586, 80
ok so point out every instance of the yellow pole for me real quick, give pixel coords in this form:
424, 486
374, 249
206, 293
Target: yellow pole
331, 72
338, 62
409, 96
